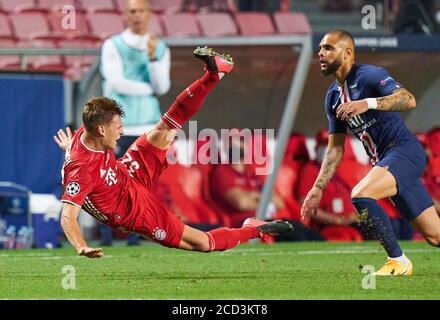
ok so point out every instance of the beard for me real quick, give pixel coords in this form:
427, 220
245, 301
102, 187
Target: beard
332, 67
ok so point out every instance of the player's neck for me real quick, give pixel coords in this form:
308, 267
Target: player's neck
342, 73
90, 142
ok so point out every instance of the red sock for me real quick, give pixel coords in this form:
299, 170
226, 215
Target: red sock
189, 101
225, 238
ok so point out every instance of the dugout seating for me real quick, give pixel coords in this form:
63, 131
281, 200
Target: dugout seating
285, 187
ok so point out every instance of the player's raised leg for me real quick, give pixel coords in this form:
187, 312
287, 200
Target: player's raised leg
191, 99
227, 238
379, 183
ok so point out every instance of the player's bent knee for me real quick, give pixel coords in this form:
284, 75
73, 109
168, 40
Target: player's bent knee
433, 240
360, 192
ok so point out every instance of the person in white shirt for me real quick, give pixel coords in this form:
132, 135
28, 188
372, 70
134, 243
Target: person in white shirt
135, 66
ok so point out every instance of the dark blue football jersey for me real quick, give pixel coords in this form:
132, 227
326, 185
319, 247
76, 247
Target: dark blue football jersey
378, 130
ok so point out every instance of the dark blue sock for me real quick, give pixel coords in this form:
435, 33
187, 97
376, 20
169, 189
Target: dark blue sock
380, 223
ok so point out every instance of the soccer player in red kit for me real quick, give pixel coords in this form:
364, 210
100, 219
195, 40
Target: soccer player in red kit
118, 192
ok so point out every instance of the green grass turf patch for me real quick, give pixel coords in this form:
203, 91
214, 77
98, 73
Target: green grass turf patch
282, 271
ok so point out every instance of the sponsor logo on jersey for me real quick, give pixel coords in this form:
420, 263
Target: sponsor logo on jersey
385, 81
73, 188
102, 172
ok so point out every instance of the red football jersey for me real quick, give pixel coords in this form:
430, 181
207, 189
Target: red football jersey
101, 185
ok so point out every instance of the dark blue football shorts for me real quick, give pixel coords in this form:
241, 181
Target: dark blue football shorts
406, 162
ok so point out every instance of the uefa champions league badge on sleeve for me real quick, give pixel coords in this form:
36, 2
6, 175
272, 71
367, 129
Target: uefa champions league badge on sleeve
73, 188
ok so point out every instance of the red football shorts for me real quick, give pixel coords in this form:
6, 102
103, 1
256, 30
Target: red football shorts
145, 164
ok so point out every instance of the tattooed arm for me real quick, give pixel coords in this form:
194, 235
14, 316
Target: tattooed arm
332, 159
400, 100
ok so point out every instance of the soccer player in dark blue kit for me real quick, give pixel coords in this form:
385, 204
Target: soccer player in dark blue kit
367, 100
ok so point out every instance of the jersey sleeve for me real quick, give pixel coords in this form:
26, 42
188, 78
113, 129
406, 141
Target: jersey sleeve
335, 125
78, 183
381, 82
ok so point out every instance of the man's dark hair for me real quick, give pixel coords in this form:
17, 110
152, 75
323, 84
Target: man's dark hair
342, 34
98, 111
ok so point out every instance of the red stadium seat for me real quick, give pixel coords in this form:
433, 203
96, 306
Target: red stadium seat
9, 61
217, 24
166, 6
56, 5
254, 23
202, 158
104, 25
5, 28
296, 149
292, 23
121, 5
79, 61
80, 29
29, 26
17, 5
155, 25
351, 171
433, 142
181, 25
43, 62
75, 73
95, 6
285, 183
190, 180
7, 43
178, 198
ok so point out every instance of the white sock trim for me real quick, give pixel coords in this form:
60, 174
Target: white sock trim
403, 259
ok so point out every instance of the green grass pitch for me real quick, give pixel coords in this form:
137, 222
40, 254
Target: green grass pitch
283, 271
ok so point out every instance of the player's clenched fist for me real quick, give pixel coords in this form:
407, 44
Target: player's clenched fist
311, 203
90, 252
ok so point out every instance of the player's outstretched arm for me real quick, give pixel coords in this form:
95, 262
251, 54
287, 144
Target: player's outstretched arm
69, 223
332, 159
63, 139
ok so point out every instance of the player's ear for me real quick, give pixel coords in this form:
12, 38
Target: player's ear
101, 130
348, 53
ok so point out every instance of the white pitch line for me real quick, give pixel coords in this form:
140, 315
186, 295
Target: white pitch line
259, 251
